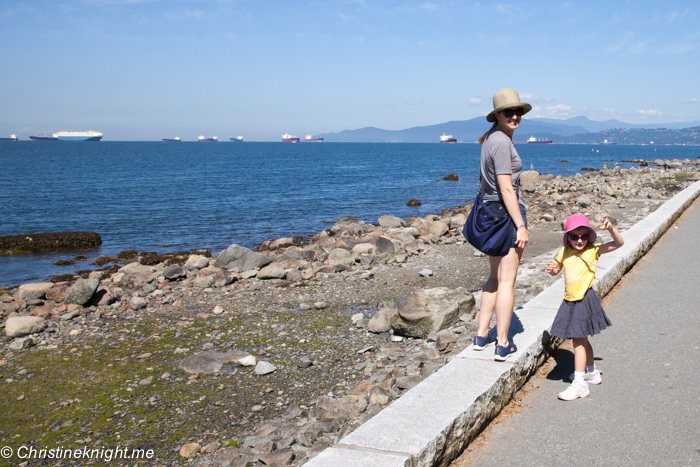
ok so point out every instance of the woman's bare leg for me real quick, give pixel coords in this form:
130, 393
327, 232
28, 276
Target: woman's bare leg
505, 297
488, 297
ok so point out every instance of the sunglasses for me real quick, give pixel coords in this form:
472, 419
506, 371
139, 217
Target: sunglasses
508, 113
574, 237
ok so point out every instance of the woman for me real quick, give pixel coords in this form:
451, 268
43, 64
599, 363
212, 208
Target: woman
500, 190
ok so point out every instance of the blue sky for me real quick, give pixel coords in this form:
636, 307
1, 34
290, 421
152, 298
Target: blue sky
144, 70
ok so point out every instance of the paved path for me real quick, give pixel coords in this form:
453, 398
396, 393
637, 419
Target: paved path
647, 410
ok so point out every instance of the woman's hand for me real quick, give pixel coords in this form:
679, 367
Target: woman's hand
522, 236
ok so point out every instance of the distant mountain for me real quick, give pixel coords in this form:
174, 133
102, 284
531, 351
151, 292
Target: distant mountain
594, 126
687, 136
466, 131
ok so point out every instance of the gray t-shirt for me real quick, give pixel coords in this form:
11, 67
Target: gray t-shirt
498, 157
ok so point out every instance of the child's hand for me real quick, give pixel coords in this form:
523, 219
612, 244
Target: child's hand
553, 268
605, 223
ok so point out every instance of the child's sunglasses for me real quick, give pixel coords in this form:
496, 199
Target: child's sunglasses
508, 113
574, 237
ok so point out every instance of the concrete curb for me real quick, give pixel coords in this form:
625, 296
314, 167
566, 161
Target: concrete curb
434, 422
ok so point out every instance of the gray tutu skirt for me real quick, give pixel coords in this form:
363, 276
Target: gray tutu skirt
581, 318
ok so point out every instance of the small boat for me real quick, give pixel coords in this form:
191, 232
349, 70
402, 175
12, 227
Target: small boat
172, 140
448, 139
44, 137
287, 138
533, 140
237, 139
311, 139
651, 143
609, 143
13, 137
211, 139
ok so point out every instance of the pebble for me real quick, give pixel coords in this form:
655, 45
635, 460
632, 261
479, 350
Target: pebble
264, 368
425, 272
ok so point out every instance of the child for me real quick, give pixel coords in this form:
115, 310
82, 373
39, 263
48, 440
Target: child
581, 314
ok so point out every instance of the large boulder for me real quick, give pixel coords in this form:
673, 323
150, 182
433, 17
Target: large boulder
18, 326
430, 310
391, 222
196, 262
439, 228
298, 255
34, 291
384, 247
271, 271
82, 291
240, 258
339, 256
350, 225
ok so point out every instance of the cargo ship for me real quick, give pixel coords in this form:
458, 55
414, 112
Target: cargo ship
79, 135
533, 140
651, 143
13, 137
211, 139
172, 140
44, 137
237, 139
287, 138
311, 139
448, 139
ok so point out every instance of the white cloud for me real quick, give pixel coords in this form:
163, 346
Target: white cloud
560, 111
532, 99
694, 100
429, 6
649, 113
476, 100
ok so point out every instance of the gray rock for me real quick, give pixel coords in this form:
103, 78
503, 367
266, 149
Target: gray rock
277, 458
82, 291
583, 201
223, 278
21, 343
137, 303
19, 326
298, 255
430, 310
339, 256
69, 316
281, 243
264, 368
271, 271
240, 258
425, 272
34, 291
384, 247
407, 382
350, 225
174, 272
381, 321
211, 361
445, 338
439, 228
391, 222
196, 262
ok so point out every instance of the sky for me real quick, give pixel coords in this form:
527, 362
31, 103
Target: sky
140, 70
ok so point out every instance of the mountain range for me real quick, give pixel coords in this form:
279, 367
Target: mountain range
468, 131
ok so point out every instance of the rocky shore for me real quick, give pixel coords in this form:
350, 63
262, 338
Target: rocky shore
269, 356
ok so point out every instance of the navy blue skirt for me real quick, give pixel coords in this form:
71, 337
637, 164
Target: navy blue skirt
581, 318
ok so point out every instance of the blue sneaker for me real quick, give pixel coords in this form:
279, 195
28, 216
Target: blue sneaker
480, 343
505, 351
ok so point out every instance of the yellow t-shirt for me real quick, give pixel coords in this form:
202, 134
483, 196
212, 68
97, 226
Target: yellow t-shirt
578, 274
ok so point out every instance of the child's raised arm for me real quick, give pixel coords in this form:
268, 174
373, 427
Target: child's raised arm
553, 267
617, 240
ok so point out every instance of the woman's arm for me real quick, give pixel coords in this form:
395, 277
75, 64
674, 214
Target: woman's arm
617, 238
510, 201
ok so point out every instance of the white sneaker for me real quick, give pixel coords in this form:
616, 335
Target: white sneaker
574, 391
590, 378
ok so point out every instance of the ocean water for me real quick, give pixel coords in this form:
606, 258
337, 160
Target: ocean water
155, 196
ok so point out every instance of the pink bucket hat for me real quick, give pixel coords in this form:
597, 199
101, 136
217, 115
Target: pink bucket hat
576, 221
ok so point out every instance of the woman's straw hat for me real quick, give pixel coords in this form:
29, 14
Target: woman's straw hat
507, 99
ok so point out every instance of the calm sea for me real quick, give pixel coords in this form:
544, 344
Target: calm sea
154, 196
